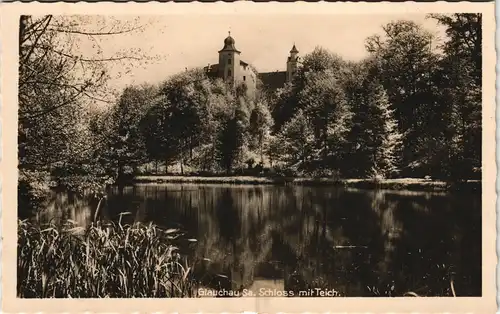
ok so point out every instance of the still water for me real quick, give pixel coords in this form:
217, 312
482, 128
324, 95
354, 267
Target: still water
282, 240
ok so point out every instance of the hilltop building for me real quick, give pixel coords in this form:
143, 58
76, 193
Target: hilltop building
234, 70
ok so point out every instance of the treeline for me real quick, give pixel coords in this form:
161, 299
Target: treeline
411, 109
189, 121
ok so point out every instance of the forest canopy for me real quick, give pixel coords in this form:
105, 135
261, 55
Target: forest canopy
412, 108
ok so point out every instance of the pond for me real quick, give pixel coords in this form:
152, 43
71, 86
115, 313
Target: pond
291, 240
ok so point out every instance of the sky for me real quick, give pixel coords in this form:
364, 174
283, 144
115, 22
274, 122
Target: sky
182, 41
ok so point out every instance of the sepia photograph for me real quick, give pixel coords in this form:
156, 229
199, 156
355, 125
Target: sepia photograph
250, 156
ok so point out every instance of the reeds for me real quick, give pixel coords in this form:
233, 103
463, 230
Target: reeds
104, 260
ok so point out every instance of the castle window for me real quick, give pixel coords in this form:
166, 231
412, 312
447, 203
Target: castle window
228, 72
228, 61
244, 78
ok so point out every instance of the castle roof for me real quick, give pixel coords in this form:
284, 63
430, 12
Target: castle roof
294, 49
215, 67
212, 70
273, 80
270, 80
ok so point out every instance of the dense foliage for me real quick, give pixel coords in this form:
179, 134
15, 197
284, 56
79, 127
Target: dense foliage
61, 90
411, 109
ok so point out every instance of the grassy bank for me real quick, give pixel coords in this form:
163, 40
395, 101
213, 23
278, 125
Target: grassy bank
104, 260
392, 184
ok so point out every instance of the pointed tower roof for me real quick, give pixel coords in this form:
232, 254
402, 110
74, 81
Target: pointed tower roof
294, 49
229, 44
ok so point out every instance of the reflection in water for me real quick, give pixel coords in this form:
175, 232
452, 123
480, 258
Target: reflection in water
62, 207
270, 239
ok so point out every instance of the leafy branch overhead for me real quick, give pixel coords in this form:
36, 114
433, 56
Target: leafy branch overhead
62, 82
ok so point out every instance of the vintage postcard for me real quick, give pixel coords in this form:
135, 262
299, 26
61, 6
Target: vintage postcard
244, 157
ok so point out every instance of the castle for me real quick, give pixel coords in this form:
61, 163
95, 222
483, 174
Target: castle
236, 71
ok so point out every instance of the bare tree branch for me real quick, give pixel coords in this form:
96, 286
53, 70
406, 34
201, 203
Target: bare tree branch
98, 99
79, 58
74, 86
111, 32
26, 57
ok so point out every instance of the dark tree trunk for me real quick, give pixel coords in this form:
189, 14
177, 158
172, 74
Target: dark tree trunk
120, 172
212, 166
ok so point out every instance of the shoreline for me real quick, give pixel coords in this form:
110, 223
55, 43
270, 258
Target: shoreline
412, 184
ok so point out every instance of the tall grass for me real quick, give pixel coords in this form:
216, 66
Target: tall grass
104, 260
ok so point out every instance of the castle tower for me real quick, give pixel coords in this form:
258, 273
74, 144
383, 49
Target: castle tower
229, 60
291, 64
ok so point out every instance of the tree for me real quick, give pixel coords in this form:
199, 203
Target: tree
319, 92
461, 90
58, 84
185, 122
373, 146
297, 140
232, 138
321, 60
274, 149
287, 101
404, 61
283, 105
221, 104
464, 31
126, 143
153, 126
188, 112
260, 125
381, 130
324, 103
